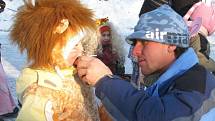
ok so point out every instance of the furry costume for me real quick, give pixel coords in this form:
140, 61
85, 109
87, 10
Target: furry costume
48, 89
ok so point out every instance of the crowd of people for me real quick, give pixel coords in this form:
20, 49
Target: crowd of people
173, 75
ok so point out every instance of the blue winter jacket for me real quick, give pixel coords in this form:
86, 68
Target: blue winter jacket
185, 92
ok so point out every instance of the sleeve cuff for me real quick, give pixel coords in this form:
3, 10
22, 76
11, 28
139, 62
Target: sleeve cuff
102, 83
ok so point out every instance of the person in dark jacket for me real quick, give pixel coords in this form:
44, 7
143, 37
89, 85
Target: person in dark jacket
184, 90
2, 5
180, 6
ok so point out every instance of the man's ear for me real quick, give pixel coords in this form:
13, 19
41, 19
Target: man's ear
171, 48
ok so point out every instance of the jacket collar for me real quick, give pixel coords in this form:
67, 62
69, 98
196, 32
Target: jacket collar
187, 60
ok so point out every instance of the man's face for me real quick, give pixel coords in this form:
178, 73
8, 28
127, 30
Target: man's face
152, 56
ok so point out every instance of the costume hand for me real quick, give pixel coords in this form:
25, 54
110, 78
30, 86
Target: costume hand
91, 69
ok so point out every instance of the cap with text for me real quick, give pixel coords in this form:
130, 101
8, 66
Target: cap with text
161, 25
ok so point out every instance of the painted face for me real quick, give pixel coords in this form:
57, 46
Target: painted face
106, 37
152, 56
75, 53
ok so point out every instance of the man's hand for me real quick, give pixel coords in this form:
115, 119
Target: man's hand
91, 69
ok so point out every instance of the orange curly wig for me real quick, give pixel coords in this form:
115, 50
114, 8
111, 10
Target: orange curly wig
34, 25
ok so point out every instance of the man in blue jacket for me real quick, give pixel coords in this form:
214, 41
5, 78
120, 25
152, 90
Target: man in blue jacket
184, 91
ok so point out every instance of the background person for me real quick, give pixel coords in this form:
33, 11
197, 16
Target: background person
110, 50
206, 13
2, 5
7, 103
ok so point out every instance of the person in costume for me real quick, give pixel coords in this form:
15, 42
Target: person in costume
205, 14
48, 88
110, 50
